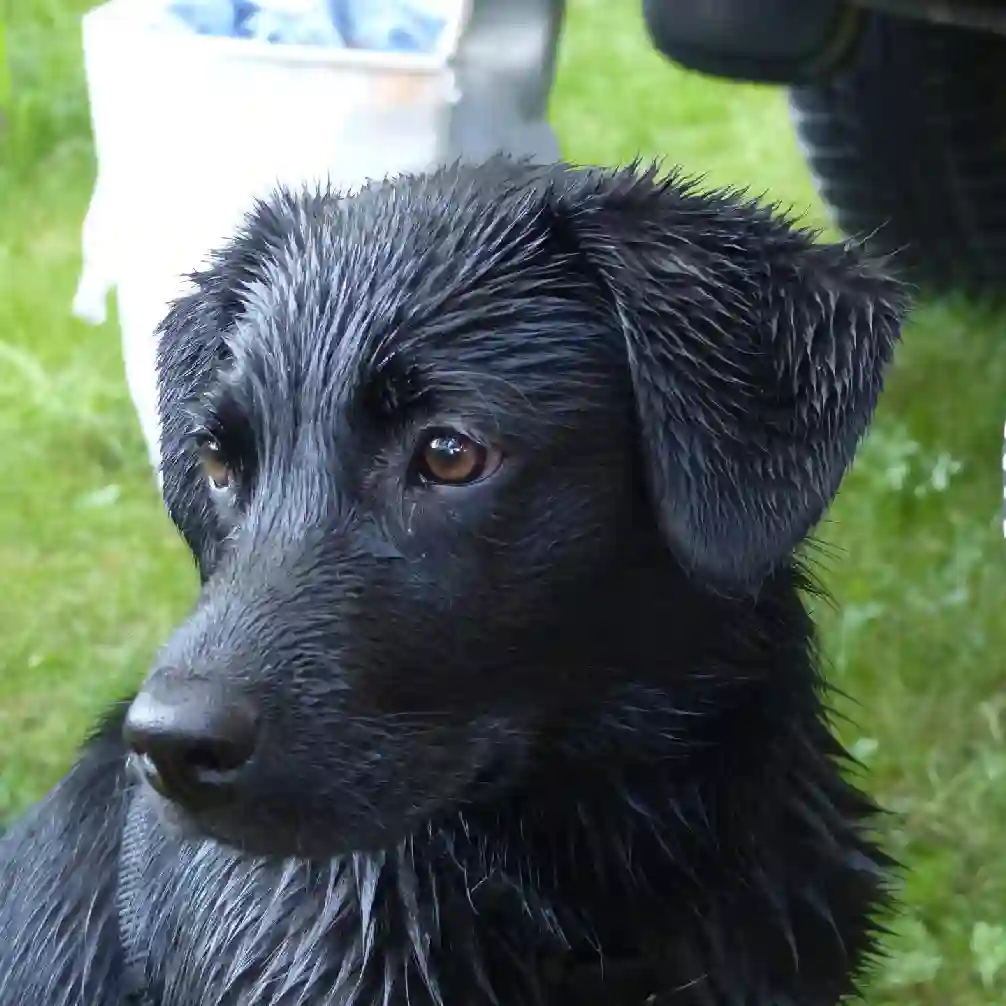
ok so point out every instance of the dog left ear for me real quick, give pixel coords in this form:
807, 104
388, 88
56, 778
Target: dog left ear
756, 358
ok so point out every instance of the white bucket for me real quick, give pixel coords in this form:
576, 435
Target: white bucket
189, 129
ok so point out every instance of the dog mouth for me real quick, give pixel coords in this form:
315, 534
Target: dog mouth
271, 836
216, 787
371, 805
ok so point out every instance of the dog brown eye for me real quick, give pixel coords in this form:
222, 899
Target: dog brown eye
215, 468
453, 459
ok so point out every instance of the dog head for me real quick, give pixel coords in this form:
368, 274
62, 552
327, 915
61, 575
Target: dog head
438, 445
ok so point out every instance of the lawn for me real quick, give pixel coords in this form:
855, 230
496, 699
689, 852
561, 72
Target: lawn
93, 576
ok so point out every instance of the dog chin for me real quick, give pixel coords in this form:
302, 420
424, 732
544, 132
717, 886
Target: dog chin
173, 818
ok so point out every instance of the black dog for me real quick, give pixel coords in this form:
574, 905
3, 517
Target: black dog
500, 689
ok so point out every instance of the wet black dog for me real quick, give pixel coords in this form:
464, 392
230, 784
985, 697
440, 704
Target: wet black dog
500, 688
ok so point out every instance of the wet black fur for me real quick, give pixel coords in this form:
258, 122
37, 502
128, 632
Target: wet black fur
556, 738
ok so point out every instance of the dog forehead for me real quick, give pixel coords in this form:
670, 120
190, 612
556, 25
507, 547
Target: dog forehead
346, 282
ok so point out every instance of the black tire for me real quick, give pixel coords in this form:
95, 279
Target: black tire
908, 146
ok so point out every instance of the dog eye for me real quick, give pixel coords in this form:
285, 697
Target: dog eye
214, 466
449, 458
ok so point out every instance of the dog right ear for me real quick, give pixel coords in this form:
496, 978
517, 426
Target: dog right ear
193, 346
756, 357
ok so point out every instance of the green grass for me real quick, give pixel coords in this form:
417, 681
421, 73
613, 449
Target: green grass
93, 576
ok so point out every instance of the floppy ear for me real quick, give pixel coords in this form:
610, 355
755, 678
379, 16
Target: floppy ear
756, 358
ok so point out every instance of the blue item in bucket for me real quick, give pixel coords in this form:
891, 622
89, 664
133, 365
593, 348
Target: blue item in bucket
380, 25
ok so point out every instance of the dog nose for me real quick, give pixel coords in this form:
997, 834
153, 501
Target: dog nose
191, 747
